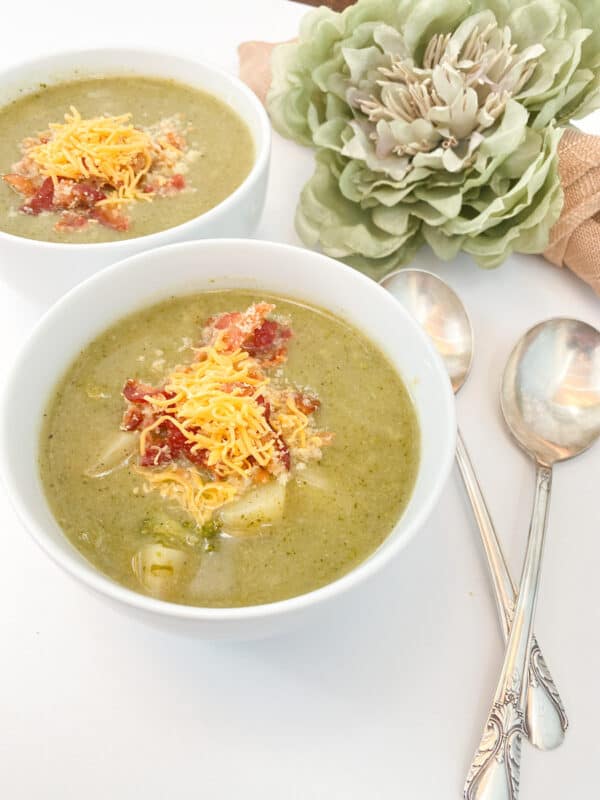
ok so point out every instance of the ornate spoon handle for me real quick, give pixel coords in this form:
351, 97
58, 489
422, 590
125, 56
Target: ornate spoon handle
546, 719
495, 771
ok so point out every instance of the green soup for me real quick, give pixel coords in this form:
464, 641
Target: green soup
336, 512
221, 138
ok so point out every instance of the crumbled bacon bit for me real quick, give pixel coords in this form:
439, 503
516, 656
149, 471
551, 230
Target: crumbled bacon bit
177, 182
136, 392
42, 200
284, 453
307, 403
176, 140
87, 194
166, 443
266, 407
25, 186
263, 339
155, 456
110, 218
232, 335
132, 418
71, 221
239, 388
261, 476
282, 449
267, 343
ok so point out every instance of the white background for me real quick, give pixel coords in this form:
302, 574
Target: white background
386, 696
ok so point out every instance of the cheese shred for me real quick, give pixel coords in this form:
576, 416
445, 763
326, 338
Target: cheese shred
199, 497
234, 425
211, 413
107, 149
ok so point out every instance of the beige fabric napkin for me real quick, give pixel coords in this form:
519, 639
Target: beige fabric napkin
574, 239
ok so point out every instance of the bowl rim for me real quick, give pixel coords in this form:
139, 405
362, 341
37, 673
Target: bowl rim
90, 576
156, 239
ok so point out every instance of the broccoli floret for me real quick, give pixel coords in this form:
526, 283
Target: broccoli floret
159, 525
211, 528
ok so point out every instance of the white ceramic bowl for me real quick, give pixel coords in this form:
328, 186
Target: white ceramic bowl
46, 270
219, 264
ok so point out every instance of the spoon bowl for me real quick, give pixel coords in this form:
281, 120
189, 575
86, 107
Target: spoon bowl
440, 312
550, 394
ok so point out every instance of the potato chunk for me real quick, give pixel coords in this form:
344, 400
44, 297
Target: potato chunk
257, 508
159, 568
314, 476
113, 454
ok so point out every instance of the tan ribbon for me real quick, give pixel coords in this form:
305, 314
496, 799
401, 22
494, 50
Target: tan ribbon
574, 239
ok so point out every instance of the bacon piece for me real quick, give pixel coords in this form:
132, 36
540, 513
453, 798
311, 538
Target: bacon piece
166, 443
110, 218
136, 392
233, 336
307, 403
267, 343
266, 408
237, 326
261, 476
177, 182
157, 451
87, 194
176, 140
239, 388
132, 418
284, 452
197, 457
262, 338
42, 200
25, 186
72, 195
164, 187
155, 455
71, 221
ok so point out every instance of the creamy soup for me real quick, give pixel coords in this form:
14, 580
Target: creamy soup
227, 450
111, 158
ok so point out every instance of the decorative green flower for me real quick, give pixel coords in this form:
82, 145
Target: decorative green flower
435, 121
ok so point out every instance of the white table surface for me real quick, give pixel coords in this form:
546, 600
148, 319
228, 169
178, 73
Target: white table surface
386, 696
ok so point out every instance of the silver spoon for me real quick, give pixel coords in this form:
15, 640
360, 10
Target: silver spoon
441, 313
551, 403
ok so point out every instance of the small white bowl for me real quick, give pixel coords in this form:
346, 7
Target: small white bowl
45, 270
91, 307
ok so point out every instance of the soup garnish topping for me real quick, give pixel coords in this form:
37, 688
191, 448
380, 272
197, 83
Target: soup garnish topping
227, 422
85, 170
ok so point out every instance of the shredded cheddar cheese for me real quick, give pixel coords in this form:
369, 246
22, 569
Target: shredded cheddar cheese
219, 425
293, 423
199, 497
212, 416
109, 149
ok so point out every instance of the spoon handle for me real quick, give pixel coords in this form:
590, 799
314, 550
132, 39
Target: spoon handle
546, 719
495, 771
